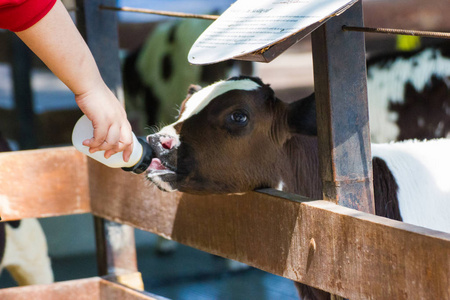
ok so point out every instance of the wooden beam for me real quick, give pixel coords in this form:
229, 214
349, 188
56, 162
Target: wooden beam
82, 289
94, 288
341, 250
113, 291
43, 183
342, 112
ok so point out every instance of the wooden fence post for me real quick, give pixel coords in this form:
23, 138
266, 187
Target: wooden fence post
116, 252
342, 111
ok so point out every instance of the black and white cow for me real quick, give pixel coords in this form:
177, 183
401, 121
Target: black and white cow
235, 136
23, 247
409, 94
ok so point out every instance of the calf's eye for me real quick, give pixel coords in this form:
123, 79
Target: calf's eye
239, 118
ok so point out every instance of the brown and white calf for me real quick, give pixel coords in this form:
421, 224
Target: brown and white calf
235, 136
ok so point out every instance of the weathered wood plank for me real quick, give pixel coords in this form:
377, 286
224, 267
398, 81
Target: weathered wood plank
43, 183
343, 251
83, 289
113, 291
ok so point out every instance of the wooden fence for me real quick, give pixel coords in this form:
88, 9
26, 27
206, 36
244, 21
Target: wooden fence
335, 245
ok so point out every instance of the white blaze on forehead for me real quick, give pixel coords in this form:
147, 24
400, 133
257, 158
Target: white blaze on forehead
202, 98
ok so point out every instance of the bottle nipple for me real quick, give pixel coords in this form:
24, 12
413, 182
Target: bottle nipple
140, 158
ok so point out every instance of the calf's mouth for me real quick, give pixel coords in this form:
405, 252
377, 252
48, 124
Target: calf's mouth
162, 175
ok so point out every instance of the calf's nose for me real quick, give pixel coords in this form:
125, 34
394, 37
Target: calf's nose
167, 142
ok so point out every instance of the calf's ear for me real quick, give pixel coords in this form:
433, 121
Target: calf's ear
192, 89
302, 116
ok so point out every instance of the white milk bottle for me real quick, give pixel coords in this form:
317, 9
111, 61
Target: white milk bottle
140, 158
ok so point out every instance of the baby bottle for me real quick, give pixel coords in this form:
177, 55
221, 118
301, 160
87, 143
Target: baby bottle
140, 158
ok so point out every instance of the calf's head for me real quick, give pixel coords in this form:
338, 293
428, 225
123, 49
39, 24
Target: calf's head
229, 138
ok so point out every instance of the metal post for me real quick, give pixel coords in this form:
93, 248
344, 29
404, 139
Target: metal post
342, 111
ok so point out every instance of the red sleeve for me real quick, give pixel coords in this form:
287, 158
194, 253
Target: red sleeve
18, 15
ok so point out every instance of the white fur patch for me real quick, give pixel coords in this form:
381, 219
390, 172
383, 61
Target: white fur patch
26, 255
203, 97
155, 177
386, 83
421, 170
170, 131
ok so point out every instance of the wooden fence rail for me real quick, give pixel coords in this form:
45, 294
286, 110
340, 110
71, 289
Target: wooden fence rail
43, 183
347, 252
94, 288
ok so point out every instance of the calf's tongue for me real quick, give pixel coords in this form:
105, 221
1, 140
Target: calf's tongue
156, 165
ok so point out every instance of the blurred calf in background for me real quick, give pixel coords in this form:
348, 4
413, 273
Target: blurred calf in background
409, 94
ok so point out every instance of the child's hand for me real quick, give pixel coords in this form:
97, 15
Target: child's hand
112, 131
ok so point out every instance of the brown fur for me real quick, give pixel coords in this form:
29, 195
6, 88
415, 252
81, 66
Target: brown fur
253, 154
